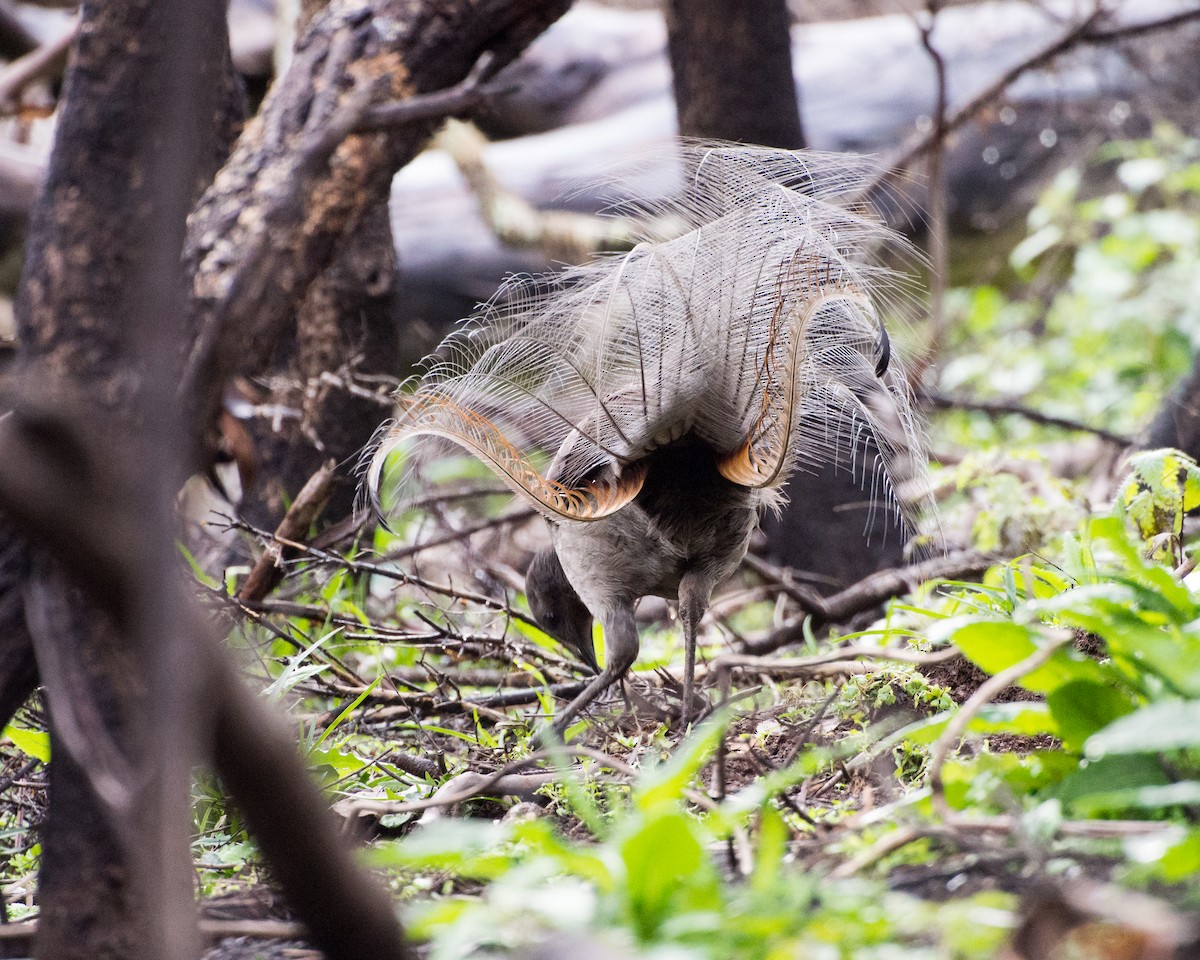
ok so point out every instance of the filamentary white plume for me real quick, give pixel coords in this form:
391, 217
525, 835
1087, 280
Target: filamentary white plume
754, 328
651, 403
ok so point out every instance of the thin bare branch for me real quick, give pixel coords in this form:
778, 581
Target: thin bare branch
865, 595
999, 408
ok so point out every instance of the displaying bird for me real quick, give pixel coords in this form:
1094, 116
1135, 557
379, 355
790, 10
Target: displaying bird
651, 404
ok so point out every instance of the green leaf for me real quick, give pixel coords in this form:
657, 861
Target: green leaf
341, 763
1171, 725
1021, 718
1034, 245
468, 848
773, 836
1141, 642
994, 645
997, 645
1082, 707
1150, 797
1182, 860
35, 743
577, 859
666, 868
1111, 773
201, 575
1003, 776
296, 670
347, 711
1111, 532
537, 635
663, 785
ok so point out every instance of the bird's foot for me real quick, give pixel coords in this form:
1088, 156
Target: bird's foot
684, 713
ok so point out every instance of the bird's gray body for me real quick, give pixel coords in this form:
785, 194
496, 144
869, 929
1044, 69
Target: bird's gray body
650, 403
686, 519
683, 535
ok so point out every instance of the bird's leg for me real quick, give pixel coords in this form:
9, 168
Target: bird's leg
694, 593
620, 650
689, 673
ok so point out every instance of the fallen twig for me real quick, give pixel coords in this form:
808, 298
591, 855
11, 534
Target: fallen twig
987, 692
407, 705
25, 931
318, 555
506, 780
455, 536
305, 509
868, 593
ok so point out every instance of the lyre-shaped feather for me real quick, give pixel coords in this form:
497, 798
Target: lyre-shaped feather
747, 319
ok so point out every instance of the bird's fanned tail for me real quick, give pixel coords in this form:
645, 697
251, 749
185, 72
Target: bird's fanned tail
754, 329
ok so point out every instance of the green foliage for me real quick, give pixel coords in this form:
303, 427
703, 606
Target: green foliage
1163, 486
1126, 707
865, 695
1104, 313
33, 743
649, 886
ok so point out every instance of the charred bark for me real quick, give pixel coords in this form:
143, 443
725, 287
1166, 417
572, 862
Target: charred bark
344, 331
18, 669
99, 228
732, 70
255, 249
345, 335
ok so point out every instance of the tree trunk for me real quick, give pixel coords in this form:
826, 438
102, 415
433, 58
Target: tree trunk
732, 68
345, 329
98, 320
18, 669
256, 249
97, 230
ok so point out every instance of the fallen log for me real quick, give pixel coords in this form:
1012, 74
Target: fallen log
596, 88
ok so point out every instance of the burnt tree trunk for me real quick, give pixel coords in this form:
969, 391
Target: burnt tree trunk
18, 669
732, 68
90, 454
254, 250
345, 335
345, 330
91, 238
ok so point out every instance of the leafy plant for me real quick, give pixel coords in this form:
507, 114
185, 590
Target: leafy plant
651, 885
1100, 313
1163, 486
1123, 698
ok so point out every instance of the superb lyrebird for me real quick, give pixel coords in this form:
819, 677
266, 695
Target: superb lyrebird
651, 403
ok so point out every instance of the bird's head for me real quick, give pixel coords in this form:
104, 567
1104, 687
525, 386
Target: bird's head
557, 607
